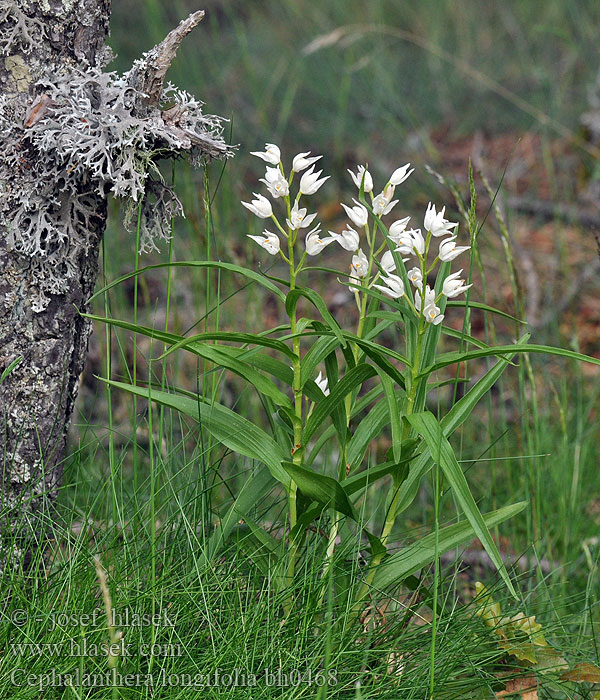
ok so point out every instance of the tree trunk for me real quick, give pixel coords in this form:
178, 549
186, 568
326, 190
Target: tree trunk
71, 134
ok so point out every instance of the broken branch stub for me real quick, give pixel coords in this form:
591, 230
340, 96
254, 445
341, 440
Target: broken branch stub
148, 75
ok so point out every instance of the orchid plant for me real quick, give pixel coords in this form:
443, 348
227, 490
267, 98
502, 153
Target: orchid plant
400, 277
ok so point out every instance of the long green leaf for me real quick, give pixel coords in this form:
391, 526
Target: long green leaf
272, 545
328, 433
320, 488
353, 378
397, 567
292, 301
429, 428
451, 358
394, 414
369, 476
455, 417
181, 341
234, 431
225, 356
315, 355
368, 429
227, 336
246, 272
485, 307
373, 352
261, 383
251, 493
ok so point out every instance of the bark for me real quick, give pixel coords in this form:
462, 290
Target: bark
71, 134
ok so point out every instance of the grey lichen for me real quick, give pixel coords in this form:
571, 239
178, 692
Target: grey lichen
23, 32
100, 129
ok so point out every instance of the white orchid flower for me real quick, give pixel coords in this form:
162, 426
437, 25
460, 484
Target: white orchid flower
435, 222
429, 298
358, 215
310, 183
299, 218
415, 276
260, 206
387, 262
269, 241
382, 204
360, 265
394, 288
348, 238
358, 178
315, 244
411, 242
449, 250
276, 183
432, 314
301, 162
322, 382
397, 228
454, 286
401, 174
271, 155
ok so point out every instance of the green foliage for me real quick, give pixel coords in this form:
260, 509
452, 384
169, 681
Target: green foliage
324, 409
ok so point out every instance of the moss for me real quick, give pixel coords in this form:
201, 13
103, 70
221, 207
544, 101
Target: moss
20, 72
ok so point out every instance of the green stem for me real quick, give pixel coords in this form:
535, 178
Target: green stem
415, 382
135, 320
298, 401
436, 574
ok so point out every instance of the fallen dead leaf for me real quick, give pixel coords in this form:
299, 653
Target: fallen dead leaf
524, 686
584, 672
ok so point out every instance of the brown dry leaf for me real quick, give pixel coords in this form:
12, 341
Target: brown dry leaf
525, 686
395, 664
584, 672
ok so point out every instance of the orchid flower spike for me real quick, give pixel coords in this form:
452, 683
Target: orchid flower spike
432, 314
415, 276
269, 241
322, 382
454, 286
358, 215
429, 297
260, 206
315, 244
276, 183
271, 155
360, 265
358, 178
435, 222
401, 174
348, 238
301, 162
299, 218
394, 288
310, 183
449, 250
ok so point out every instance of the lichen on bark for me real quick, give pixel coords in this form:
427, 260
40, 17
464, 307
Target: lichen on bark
72, 135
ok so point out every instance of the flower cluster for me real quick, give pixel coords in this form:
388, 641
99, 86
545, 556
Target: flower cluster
368, 269
278, 186
375, 268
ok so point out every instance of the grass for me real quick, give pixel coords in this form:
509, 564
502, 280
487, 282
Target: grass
143, 487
